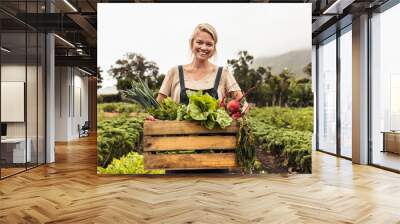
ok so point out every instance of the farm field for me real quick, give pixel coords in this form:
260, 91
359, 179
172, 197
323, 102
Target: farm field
283, 139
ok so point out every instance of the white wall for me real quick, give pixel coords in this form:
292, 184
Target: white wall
71, 102
314, 89
62, 81
12, 73
33, 126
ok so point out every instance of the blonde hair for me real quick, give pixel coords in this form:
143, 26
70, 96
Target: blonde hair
204, 27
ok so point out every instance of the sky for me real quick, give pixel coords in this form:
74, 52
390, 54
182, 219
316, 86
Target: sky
161, 32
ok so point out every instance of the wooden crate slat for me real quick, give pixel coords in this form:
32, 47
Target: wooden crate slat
190, 161
189, 143
182, 127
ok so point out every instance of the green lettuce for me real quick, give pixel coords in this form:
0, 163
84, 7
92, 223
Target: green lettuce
205, 108
168, 110
201, 107
223, 118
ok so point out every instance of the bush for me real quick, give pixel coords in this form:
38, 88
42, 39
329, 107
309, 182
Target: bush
110, 98
132, 163
99, 99
306, 164
117, 137
128, 108
109, 107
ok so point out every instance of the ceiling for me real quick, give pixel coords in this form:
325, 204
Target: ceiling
75, 22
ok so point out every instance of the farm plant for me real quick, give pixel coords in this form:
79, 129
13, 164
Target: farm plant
285, 133
117, 137
132, 163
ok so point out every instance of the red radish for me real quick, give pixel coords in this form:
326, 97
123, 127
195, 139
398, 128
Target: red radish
222, 103
233, 106
236, 115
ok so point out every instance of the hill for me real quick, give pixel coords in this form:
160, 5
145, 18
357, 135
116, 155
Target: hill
295, 61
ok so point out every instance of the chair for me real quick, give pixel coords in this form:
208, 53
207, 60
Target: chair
84, 130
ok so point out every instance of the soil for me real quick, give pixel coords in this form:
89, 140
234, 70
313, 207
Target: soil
269, 163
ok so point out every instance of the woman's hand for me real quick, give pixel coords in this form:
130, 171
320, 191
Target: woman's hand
160, 97
245, 108
238, 95
150, 118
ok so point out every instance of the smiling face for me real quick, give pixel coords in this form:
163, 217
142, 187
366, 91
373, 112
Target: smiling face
203, 46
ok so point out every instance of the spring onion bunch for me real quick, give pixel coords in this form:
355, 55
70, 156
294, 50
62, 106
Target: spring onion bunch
141, 94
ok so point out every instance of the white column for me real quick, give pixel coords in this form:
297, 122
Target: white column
314, 90
50, 101
360, 90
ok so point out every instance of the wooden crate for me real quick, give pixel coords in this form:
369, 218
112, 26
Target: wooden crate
188, 135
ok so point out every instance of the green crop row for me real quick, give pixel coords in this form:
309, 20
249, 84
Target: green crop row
284, 139
284, 132
119, 107
132, 163
283, 117
117, 137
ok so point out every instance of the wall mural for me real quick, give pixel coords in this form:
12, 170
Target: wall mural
210, 92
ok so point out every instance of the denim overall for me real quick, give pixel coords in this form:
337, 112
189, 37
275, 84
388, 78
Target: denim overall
213, 91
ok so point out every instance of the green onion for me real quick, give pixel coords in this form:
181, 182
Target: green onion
141, 94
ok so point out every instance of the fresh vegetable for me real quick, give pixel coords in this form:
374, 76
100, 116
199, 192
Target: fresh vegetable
236, 107
245, 149
168, 110
181, 113
222, 118
205, 108
236, 115
132, 163
233, 106
141, 94
222, 103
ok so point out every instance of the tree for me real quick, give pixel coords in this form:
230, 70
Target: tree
284, 78
135, 67
272, 90
307, 69
245, 76
99, 78
300, 95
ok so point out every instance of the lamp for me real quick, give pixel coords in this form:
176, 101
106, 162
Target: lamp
337, 7
86, 72
70, 5
5, 50
64, 40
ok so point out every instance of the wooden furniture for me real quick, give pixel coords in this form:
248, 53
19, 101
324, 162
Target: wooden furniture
391, 141
165, 144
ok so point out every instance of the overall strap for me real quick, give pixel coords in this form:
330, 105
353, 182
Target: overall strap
218, 78
181, 78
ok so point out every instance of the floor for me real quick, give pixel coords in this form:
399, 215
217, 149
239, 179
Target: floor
9, 170
387, 159
69, 191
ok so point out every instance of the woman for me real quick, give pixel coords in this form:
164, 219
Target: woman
200, 74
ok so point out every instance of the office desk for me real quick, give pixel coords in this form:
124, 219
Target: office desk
391, 141
13, 150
